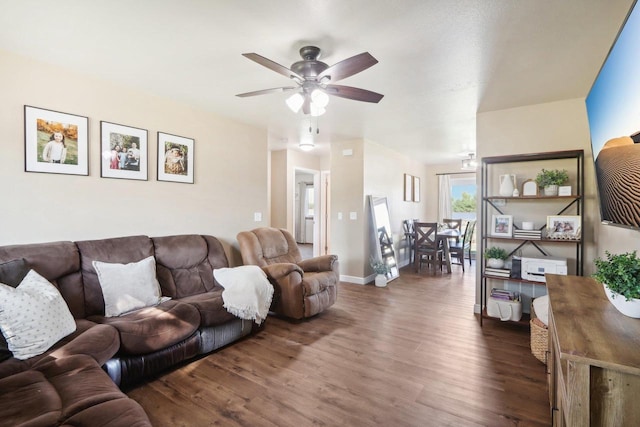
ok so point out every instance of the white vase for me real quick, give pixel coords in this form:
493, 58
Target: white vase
495, 263
381, 280
551, 190
507, 185
629, 308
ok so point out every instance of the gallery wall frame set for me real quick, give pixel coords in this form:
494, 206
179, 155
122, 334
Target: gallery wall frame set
411, 188
57, 142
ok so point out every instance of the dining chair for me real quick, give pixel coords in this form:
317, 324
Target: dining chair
427, 246
453, 224
409, 235
457, 250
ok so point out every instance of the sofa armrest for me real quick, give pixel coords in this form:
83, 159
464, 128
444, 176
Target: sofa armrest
282, 269
101, 342
320, 263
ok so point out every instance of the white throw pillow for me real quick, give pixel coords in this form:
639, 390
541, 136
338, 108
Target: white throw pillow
127, 287
33, 316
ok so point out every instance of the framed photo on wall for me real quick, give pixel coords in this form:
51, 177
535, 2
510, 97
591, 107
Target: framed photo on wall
408, 187
55, 142
175, 158
416, 189
502, 225
124, 151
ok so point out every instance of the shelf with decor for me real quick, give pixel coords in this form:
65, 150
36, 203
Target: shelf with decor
545, 224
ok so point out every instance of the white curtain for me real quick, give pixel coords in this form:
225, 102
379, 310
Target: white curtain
444, 197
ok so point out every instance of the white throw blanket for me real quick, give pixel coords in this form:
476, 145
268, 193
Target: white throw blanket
247, 291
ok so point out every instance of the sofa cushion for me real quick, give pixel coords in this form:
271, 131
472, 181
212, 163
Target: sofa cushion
33, 316
127, 287
27, 398
153, 328
116, 250
211, 307
123, 412
185, 263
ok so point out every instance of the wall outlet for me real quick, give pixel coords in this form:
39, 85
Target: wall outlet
339, 216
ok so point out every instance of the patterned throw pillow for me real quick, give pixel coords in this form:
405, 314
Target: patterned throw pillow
127, 287
33, 316
11, 273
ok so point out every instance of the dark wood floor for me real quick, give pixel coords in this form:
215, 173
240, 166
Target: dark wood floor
411, 354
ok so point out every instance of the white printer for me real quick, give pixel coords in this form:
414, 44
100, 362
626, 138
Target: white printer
534, 269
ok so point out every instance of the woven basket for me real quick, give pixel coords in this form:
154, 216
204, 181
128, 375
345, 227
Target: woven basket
539, 338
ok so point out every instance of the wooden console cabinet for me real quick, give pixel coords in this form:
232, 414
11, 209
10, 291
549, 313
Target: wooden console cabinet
594, 359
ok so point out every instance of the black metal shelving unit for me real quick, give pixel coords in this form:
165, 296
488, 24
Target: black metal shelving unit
490, 205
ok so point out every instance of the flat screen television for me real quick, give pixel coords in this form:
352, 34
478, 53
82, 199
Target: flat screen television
613, 110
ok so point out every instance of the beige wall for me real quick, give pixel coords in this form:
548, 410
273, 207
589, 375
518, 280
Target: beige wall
230, 166
388, 181
279, 189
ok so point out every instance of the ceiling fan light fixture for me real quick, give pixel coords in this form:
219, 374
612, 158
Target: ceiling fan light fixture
469, 164
295, 101
319, 98
306, 144
316, 110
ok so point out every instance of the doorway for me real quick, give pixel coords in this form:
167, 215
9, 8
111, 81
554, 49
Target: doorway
306, 205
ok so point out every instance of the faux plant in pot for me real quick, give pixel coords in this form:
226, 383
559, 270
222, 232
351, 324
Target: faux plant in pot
381, 269
549, 180
620, 276
495, 257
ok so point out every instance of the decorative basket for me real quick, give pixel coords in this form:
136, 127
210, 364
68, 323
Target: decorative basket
539, 338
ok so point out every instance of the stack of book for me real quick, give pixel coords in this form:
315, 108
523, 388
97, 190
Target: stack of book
498, 272
505, 295
527, 234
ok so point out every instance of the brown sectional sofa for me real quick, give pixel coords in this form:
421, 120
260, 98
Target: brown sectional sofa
70, 384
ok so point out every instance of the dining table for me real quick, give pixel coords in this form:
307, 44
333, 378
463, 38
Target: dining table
444, 235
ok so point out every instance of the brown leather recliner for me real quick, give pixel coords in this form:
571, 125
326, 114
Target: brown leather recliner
302, 288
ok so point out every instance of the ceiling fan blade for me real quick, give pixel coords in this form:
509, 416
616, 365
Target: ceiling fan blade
348, 67
272, 65
266, 91
353, 93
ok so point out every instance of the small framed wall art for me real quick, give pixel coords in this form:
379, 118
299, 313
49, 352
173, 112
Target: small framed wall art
55, 142
416, 189
175, 158
408, 197
124, 151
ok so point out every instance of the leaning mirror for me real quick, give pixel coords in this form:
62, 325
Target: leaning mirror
381, 235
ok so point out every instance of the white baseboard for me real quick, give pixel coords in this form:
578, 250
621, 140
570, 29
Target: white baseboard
355, 280
476, 308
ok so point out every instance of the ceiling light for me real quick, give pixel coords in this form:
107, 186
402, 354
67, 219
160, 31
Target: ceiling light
316, 110
295, 102
319, 98
469, 164
306, 144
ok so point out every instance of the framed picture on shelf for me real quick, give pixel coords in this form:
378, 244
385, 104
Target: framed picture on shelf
408, 187
124, 152
55, 142
175, 158
530, 188
565, 227
502, 225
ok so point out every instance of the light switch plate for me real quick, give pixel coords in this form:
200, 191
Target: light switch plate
340, 216
257, 216
353, 215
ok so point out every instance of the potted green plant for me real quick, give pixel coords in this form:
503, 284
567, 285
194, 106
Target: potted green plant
549, 180
381, 269
620, 276
495, 257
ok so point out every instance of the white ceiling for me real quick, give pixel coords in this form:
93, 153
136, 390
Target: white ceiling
440, 61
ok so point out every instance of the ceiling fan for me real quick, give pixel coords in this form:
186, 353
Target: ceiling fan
315, 79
